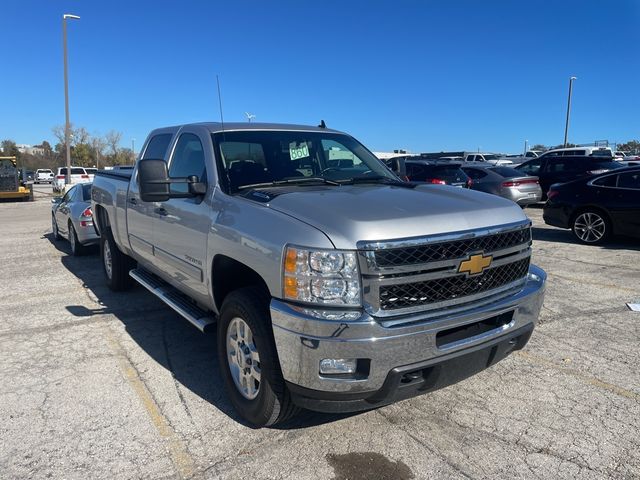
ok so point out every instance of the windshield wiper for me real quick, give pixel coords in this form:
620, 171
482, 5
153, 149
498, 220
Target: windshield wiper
378, 179
326, 181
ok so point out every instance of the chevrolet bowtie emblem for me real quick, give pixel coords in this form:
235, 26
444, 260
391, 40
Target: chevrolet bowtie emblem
476, 264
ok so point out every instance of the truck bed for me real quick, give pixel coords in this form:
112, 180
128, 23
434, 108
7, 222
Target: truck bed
124, 175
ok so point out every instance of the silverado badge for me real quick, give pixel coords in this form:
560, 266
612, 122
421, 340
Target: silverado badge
475, 264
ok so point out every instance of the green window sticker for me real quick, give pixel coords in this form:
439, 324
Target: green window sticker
297, 153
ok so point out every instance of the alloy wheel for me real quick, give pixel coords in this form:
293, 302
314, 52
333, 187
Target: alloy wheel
589, 227
107, 260
243, 358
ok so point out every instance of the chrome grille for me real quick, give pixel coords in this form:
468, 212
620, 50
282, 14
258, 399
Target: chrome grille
449, 250
415, 275
449, 288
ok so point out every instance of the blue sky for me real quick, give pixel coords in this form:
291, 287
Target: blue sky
421, 75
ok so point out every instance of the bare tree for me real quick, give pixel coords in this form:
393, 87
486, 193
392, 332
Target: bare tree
113, 141
80, 135
98, 144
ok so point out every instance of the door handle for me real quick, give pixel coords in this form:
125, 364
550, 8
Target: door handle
133, 201
161, 211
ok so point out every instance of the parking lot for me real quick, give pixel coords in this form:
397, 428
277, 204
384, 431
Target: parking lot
97, 384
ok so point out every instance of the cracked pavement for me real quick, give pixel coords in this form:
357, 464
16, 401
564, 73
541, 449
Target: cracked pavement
96, 384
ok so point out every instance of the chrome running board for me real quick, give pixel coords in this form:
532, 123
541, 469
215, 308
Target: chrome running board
173, 298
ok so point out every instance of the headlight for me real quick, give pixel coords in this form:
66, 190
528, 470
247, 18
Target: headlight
327, 277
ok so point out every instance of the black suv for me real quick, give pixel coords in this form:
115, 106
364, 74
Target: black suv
552, 170
433, 171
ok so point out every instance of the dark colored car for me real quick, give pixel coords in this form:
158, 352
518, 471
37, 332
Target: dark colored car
550, 170
595, 208
505, 182
442, 173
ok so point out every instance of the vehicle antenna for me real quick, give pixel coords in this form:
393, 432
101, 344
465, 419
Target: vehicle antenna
220, 102
322, 124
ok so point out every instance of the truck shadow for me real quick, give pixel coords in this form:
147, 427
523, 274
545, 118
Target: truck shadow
166, 337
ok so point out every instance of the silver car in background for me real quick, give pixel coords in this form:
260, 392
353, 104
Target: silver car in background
506, 182
72, 218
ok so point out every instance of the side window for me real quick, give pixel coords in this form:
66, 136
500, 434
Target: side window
157, 147
69, 195
188, 159
629, 180
608, 181
474, 173
532, 167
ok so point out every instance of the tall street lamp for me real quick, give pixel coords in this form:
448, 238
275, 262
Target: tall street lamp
66, 93
566, 127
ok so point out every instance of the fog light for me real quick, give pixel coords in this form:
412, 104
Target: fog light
333, 366
533, 277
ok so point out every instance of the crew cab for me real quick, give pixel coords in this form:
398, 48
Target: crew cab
334, 286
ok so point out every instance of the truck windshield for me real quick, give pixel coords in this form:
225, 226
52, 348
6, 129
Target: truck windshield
255, 157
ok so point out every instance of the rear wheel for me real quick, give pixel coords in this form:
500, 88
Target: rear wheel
54, 228
591, 227
248, 359
77, 248
116, 265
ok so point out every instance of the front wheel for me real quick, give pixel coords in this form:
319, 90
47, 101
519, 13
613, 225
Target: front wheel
591, 227
54, 228
116, 264
248, 359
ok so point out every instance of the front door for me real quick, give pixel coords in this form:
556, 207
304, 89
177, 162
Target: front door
140, 214
181, 225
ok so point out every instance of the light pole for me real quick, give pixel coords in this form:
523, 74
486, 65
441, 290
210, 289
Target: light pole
526, 147
566, 127
133, 149
67, 180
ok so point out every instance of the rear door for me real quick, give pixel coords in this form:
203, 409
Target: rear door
181, 226
140, 215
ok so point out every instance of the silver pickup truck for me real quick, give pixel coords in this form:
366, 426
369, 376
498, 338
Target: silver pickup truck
334, 285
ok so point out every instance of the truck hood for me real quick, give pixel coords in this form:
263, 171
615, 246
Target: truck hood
353, 213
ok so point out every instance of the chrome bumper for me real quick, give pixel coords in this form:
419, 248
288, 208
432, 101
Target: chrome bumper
303, 339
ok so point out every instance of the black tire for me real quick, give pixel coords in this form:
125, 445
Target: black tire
54, 228
600, 226
77, 249
273, 402
118, 278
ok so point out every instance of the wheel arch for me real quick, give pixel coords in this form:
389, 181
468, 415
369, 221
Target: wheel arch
228, 275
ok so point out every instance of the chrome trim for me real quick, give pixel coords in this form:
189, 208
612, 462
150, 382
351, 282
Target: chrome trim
462, 302
451, 272
446, 237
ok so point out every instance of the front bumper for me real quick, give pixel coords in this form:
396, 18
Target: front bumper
303, 340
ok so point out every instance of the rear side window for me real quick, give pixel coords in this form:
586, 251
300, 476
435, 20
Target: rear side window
188, 160
608, 181
157, 147
86, 192
629, 180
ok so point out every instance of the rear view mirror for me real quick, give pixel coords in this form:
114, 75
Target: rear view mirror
153, 180
56, 200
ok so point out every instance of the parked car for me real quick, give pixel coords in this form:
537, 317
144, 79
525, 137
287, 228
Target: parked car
333, 285
437, 172
579, 152
72, 218
91, 172
506, 182
550, 170
78, 175
596, 208
491, 158
43, 175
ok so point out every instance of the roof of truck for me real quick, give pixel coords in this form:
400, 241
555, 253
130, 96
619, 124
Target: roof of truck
214, 127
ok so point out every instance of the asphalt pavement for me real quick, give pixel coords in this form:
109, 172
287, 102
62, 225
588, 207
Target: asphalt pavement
96, 384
